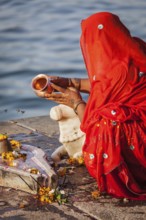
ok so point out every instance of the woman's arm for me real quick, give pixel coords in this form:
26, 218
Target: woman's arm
81, 84
79, 109
67, 92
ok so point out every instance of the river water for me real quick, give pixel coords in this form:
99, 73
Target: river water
42, 36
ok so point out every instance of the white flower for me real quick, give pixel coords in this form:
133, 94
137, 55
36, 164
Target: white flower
52, 191
62, 192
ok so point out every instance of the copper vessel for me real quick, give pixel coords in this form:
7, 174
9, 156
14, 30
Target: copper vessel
41, 83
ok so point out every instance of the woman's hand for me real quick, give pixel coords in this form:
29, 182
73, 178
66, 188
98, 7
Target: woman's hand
67, 96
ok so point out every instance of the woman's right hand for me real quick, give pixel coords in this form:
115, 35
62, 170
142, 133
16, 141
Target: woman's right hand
67, 96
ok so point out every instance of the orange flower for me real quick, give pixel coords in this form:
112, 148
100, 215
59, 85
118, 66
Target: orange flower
79, 160
3, 137
15, 144
71, 160
95, 194
62, 171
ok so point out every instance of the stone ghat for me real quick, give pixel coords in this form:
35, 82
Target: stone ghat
43, 133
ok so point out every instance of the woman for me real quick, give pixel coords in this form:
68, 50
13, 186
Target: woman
115, 114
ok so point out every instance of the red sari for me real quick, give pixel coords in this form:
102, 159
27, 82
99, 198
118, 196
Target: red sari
115, 115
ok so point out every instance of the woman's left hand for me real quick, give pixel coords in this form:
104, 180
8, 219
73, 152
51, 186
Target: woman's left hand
67, 96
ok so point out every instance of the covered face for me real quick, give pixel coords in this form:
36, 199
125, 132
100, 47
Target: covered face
106, 42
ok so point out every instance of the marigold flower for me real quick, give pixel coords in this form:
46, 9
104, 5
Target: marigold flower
15, 144
95, 194
3, 137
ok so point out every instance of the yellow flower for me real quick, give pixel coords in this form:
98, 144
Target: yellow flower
45, 194
80, 160
15, 144
3, 137
8, 156
48, 195
71, 160
95, 194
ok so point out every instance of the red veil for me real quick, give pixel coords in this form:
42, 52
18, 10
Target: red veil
115, 115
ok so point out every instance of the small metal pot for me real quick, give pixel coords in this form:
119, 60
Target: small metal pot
5, 146
41, 83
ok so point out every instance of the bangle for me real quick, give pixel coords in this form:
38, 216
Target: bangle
77, 104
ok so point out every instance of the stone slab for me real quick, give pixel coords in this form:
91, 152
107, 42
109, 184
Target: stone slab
42, 124
12, 128
77, 182
16, 205
113, 209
